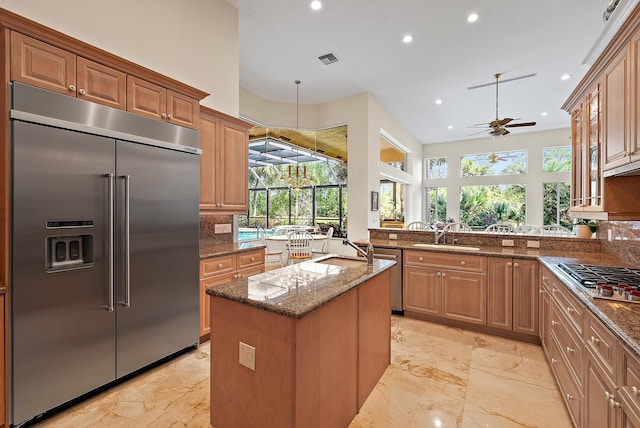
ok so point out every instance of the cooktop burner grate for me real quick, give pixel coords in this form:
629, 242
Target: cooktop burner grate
592, 278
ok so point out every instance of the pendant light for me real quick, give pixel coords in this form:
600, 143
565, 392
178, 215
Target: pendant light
297, 177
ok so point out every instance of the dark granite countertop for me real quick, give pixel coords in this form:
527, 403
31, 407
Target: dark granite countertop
208, 249
297, 290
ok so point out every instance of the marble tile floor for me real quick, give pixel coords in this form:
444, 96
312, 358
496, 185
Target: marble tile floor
438, 377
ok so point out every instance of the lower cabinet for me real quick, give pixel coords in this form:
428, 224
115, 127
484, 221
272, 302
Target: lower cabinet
450, 286
221, 270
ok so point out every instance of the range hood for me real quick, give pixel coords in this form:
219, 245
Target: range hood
632, 168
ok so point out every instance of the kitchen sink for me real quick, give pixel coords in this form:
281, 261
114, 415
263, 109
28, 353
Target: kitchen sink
447, 247
341, 261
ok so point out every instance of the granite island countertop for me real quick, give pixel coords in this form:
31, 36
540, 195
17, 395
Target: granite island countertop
297, 290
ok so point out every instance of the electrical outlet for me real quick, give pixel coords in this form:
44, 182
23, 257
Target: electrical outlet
609, 234
393, 236
507, 242
247, 356
222, 228
533, 244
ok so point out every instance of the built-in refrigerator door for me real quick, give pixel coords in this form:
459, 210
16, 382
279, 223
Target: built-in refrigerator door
62, 334
157, 258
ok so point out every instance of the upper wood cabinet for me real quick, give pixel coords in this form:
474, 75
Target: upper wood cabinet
224, 162
155, 102
46, 66
616, 117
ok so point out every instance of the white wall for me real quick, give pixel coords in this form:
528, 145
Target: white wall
365, 118
533, 142
192, 41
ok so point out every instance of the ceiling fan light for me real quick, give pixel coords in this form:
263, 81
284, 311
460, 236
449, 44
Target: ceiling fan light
473, 17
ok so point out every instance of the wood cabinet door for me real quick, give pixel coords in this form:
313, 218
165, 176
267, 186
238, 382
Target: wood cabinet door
100, 84
545, 320
208, 142
232, 166
525, 296
464, 296
182, 110
422, 290
616, 110
146, 99
40, 64
577, 167
205, 315
499, 293
597, 387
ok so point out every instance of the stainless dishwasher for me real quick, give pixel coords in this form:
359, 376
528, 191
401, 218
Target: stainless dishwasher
396, 276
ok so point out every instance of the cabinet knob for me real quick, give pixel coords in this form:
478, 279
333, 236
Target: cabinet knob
164, 115
544, 278
82, 92
220, 265
634, 390
554, 290
613, 403
170, 116
569, 397
625, 153
595, 340
444, 274
541, 291
253, 259
570, 309
463, 262
554, 361
509, 264
439, 274
554, 323
420, 259
569, 350
72, 88
221, 204
607, 395
516, 264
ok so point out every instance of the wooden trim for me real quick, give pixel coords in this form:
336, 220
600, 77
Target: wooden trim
5, 73
217, 115
63, 41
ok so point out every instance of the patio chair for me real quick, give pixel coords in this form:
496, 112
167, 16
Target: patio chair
325, 243
299, 246
418, 225
554, 230
270, 253
457, 227
499, 228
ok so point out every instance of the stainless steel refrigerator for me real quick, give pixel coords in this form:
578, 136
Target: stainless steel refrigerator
104, 246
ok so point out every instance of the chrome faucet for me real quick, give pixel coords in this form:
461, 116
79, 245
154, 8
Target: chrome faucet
439, 235
368, 254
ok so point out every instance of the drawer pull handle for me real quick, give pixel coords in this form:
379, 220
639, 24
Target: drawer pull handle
220, 265
516, 264
554, 323
554, 361
463, 263
634, 390
569, 350
569, 397
613, 403
253, 259
595, 340
607, 395
544, 278
554, 290
570, 309
421, 259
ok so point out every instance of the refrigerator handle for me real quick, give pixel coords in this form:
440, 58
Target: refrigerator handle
127, 247
110, 177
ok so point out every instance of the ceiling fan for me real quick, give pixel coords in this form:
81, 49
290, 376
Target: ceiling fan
499, 126
498, 157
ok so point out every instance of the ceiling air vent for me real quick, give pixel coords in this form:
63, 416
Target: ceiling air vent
329, 58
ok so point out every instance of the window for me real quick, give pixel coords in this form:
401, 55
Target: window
391, 154
391, 200
556, 204
436, 167
481, 206
495, 163
556, 159
436, 208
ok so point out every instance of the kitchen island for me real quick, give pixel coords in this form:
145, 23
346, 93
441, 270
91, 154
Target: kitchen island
314, 339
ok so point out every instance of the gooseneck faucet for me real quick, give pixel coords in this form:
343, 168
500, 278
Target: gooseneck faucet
368, 254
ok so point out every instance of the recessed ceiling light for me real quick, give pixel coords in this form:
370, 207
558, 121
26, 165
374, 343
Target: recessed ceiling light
316, 5
438, 101
472, 17
544, 113
565, 77
450, 127
408, 38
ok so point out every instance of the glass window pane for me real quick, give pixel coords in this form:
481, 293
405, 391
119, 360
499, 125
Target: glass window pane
278, 207
556, 159
391, 204
436, 205
495, 163
436, 167
556, 204
301, 206
481, 206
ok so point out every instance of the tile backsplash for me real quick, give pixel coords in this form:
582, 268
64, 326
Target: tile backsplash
222, 223
621, 239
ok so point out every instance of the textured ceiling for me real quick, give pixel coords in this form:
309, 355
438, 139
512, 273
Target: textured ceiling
281, 40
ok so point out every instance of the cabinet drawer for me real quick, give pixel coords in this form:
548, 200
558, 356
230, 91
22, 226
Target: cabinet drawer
252, 258
217, 265
460, 262
602, 344
569, 344
568, 305
567, 383
244, 273
629, 381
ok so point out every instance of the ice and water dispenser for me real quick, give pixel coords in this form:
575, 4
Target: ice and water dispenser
66, 252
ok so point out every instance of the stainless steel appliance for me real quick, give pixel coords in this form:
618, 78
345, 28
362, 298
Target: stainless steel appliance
618, 282
104, 246
396, 276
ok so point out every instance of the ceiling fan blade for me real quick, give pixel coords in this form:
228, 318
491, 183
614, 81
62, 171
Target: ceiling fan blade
505, 121
480, 124
476, 133
516, 125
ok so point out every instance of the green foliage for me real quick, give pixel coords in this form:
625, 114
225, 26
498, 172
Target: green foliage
485, 205
555, 204
556, 159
